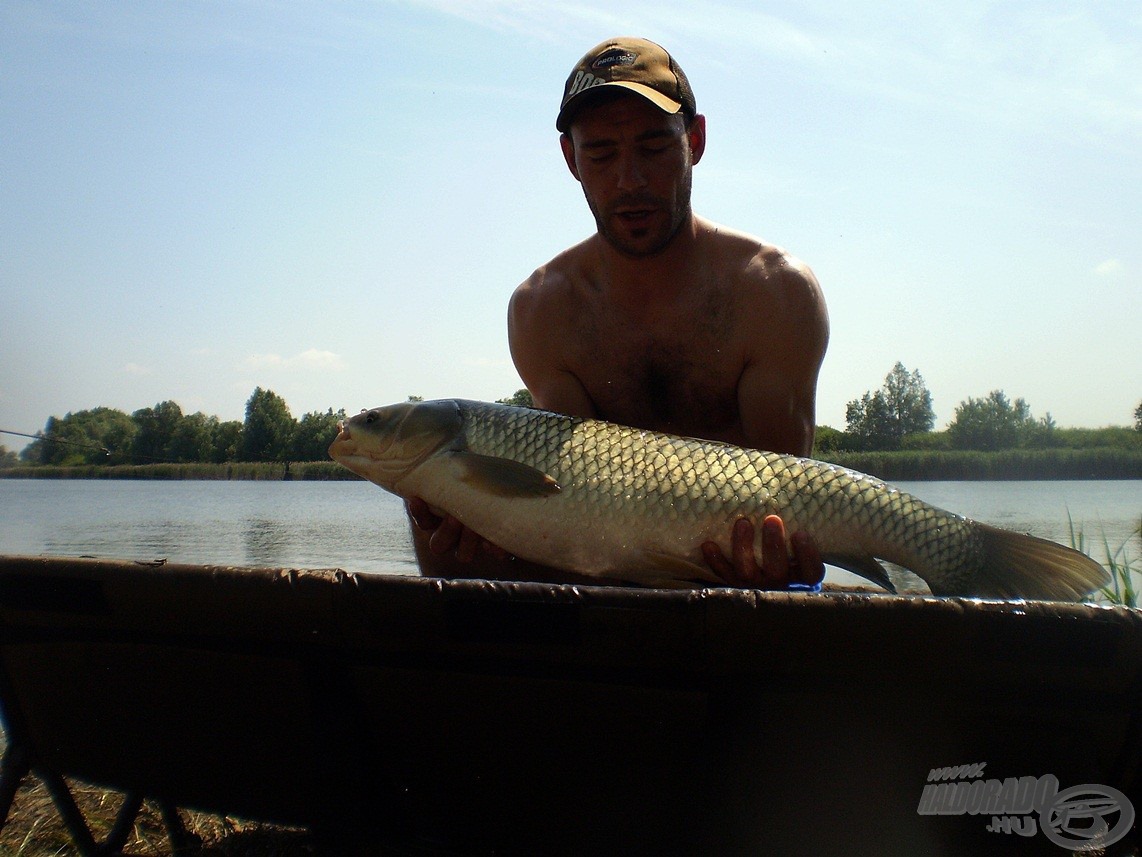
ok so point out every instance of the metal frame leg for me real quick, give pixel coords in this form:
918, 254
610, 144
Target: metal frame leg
13, 768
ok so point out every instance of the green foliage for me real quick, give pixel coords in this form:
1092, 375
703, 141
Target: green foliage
269, 427
995, 422
261, 471
157, 427
1004, 464
7, 457
1138, 418
227, 441
901, 407
827, 440
520, 398
98, 436
315, 431
926, 440
1123, 589
193, 439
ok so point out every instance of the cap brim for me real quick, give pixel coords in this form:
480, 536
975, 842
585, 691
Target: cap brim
662, 102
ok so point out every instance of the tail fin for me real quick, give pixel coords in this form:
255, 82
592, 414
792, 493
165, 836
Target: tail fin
1021, 566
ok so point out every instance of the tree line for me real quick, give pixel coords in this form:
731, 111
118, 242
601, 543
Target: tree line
898, 416
164, 433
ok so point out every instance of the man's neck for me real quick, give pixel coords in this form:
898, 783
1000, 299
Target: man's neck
652, 278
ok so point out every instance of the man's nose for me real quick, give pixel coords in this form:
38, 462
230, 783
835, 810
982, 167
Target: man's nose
631, 173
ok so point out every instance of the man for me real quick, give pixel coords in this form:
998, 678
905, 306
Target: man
662, 319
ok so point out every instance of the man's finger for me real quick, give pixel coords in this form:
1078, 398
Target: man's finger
745, 562
774, 553
494, 551
446, 536
809, 568
718, 563
469, 544
422, 515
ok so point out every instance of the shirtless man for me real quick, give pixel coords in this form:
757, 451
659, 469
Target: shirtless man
662, 319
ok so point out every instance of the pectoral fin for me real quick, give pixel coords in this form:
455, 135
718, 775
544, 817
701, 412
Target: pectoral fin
667, 571
503, 477
866, 566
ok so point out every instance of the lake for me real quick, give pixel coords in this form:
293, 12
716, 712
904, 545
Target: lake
358, 527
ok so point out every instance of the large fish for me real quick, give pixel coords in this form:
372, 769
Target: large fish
611, 501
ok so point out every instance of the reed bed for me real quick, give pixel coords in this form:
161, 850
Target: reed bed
234, 470
905, 465
1010, 464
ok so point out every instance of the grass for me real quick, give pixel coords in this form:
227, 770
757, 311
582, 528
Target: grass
1123, 589
911, 465
1011, 464
235, 470
34, 829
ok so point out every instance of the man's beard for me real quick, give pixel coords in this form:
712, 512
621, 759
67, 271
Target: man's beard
656, 237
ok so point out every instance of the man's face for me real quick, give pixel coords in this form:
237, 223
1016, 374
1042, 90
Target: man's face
635, 163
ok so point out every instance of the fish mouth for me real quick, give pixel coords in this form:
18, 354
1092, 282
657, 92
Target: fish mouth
343, 445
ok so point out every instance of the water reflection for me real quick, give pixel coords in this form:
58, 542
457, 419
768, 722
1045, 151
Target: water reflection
266, 542
358, 527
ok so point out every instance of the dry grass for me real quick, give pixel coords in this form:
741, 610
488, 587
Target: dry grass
34, 829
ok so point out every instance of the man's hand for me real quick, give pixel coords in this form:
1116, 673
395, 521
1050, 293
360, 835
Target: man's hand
448, 534
777, 569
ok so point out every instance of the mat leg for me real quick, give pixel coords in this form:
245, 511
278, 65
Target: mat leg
180, 838
69, 812
124, 823
13, 768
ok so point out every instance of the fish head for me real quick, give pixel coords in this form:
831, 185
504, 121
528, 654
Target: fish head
386, 444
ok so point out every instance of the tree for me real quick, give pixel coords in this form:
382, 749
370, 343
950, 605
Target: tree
827, 440
902, 406
993, 422
520, 398
8, 458
193, 438
157, 427
227, 442
98, 436
315, 431
1138, 417
269, 427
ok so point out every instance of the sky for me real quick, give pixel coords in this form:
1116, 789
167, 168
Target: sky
335, 200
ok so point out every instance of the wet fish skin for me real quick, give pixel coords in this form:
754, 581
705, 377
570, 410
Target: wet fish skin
613, 501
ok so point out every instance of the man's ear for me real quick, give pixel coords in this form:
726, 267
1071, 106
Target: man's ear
568, 147
697, 136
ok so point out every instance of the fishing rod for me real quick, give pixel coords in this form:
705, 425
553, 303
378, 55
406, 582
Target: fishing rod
105, 450
44, 437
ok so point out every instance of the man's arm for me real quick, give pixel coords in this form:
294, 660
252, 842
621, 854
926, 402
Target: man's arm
777, 391
777, 402
535, 331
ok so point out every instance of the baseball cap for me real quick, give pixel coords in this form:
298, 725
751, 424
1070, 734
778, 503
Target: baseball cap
637, 65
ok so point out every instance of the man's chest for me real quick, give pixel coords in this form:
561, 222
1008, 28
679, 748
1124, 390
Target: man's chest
680, 381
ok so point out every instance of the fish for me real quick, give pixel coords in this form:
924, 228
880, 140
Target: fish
612, 501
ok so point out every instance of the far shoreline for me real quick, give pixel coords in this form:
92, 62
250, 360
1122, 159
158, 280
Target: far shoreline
1094, 464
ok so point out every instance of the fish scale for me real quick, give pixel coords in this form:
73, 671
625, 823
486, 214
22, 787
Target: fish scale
603, 499
700, 478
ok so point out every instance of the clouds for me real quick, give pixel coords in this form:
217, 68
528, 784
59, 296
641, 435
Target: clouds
310, 359
1110, 269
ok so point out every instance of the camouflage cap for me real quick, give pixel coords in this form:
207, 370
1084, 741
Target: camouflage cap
637, 65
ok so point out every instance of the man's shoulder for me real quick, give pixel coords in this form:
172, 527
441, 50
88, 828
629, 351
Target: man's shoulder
761, 264
556, 278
